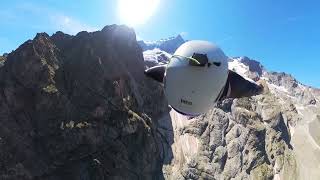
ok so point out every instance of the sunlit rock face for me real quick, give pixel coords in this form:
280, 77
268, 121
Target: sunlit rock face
2, 60
274, 135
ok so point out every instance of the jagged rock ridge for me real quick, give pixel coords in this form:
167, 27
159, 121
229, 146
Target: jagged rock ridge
79, 107
168, 45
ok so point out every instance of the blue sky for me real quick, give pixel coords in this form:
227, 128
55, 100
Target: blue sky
283, 35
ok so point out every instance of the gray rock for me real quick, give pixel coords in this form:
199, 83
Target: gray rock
72, 107
233, 167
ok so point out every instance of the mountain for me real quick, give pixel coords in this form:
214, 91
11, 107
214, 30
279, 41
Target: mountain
168, 45
80, 107
275, 135
155, 57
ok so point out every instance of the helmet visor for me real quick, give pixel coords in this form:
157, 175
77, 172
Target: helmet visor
197, 59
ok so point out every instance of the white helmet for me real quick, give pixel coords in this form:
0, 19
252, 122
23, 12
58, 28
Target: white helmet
195, 77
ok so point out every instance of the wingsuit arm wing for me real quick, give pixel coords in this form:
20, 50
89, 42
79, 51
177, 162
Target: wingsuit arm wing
156, 73
237, 87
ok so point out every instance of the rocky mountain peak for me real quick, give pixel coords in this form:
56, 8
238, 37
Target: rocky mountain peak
253, 65
42, 35
79, 107
168, 45
283, 79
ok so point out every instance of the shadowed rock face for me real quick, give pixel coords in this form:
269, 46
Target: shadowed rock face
283, 79
254, 66
79, 107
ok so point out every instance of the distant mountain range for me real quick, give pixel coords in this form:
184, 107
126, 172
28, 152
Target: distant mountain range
168, 45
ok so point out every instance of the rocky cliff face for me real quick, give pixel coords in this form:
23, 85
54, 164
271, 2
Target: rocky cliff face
79, 107
248, 138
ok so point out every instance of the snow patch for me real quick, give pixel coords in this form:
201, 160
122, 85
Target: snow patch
302, 87
264, 78
300, 109
291, 129
159, 42
238, 67
278, 88
154, 55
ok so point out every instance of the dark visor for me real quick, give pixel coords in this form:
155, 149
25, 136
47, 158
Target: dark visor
198, 59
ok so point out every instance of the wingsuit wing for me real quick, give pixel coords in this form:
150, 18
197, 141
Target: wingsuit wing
156, 73
237, 87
